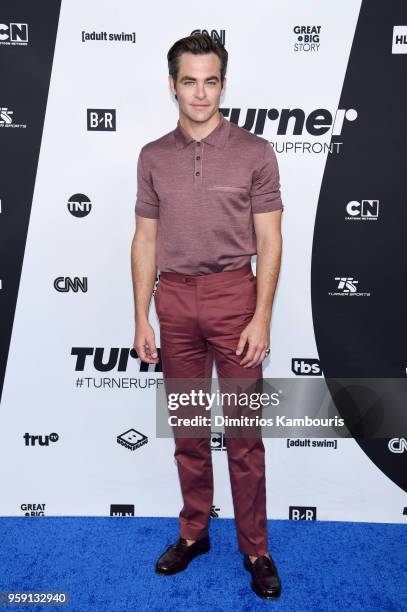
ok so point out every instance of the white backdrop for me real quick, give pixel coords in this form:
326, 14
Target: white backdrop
86, 470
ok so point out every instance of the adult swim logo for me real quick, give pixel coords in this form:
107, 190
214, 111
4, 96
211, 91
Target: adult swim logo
347, 287
307, 38
104, 36
101, 119
6, 119
79, 205
295, 122
399, 42
365, 210
14, 34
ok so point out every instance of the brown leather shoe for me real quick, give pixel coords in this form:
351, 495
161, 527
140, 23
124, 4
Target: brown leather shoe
266, 582
177, 556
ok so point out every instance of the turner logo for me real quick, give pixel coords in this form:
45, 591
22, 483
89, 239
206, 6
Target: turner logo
301, 366
79, 205
14, 34
347, 286
132, 439
214, 34
101, 119
109, 359
294, 121
214, 511
307, 38
365, 210
399, 42
65, 283
31, 440
302, 513
121, 509
398, 445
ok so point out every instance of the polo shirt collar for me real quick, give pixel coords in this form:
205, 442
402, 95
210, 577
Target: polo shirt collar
217, 137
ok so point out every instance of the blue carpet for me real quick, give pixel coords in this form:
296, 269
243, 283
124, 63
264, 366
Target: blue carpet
106, 564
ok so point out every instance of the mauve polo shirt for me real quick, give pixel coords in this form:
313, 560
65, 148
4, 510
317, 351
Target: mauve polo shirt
204, 195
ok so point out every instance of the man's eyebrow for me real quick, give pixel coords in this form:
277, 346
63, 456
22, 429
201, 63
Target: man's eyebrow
189, 78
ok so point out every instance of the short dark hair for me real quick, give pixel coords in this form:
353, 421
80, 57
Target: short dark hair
198, 44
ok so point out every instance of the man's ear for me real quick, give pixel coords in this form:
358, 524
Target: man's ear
223, 87
171, 84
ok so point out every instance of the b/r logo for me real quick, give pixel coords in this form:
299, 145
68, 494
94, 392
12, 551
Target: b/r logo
101, 119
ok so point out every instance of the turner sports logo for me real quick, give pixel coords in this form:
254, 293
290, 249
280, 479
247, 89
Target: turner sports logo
399, 42
15, 34
6, 119
302, 513
347, 286
365, 210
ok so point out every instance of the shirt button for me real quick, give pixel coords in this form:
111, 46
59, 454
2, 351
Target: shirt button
197, 173
198, 144
198, 157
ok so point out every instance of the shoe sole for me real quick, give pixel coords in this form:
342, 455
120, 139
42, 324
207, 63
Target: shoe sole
257, 591
181, 569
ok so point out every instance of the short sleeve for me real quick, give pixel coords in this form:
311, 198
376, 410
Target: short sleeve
265, 191
147, 203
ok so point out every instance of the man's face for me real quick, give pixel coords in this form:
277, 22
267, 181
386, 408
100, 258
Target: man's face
198, 86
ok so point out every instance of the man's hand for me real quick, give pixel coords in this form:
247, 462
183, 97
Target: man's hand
257, 334
144, 343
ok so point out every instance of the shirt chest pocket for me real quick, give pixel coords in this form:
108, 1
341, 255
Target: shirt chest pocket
229, 188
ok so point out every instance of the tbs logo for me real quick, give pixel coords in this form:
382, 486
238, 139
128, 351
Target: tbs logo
101, 119
301, 366
302, 513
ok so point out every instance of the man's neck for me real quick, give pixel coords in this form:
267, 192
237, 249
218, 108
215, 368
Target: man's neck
199, 130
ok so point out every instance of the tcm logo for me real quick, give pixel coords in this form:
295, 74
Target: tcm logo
14, 34
365, 210
307, 38
214, 34
293, 121
132, 439
79, 205
101, 119
347, 286
398, 445
214, 511
110, 359
121, 509
399, 42
302, 513
31, 440
301, 366
33, 509
218, 441
65, 284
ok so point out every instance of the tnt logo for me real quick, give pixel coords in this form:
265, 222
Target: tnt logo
13, 34
302, 513
218, 441
399, 42
301, 366
366, 210
79, 205
101, 120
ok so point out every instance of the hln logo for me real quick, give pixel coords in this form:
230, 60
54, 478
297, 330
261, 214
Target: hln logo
101, 119
121, 509
399, 43
302, 513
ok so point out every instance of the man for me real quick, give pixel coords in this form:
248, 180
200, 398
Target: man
208, 198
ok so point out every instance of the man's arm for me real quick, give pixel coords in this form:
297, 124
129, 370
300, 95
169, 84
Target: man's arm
144, 271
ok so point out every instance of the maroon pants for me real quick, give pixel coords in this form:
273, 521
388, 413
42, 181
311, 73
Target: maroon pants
201, 318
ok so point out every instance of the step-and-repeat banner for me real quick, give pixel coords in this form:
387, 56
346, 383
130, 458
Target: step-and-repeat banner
84, 86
